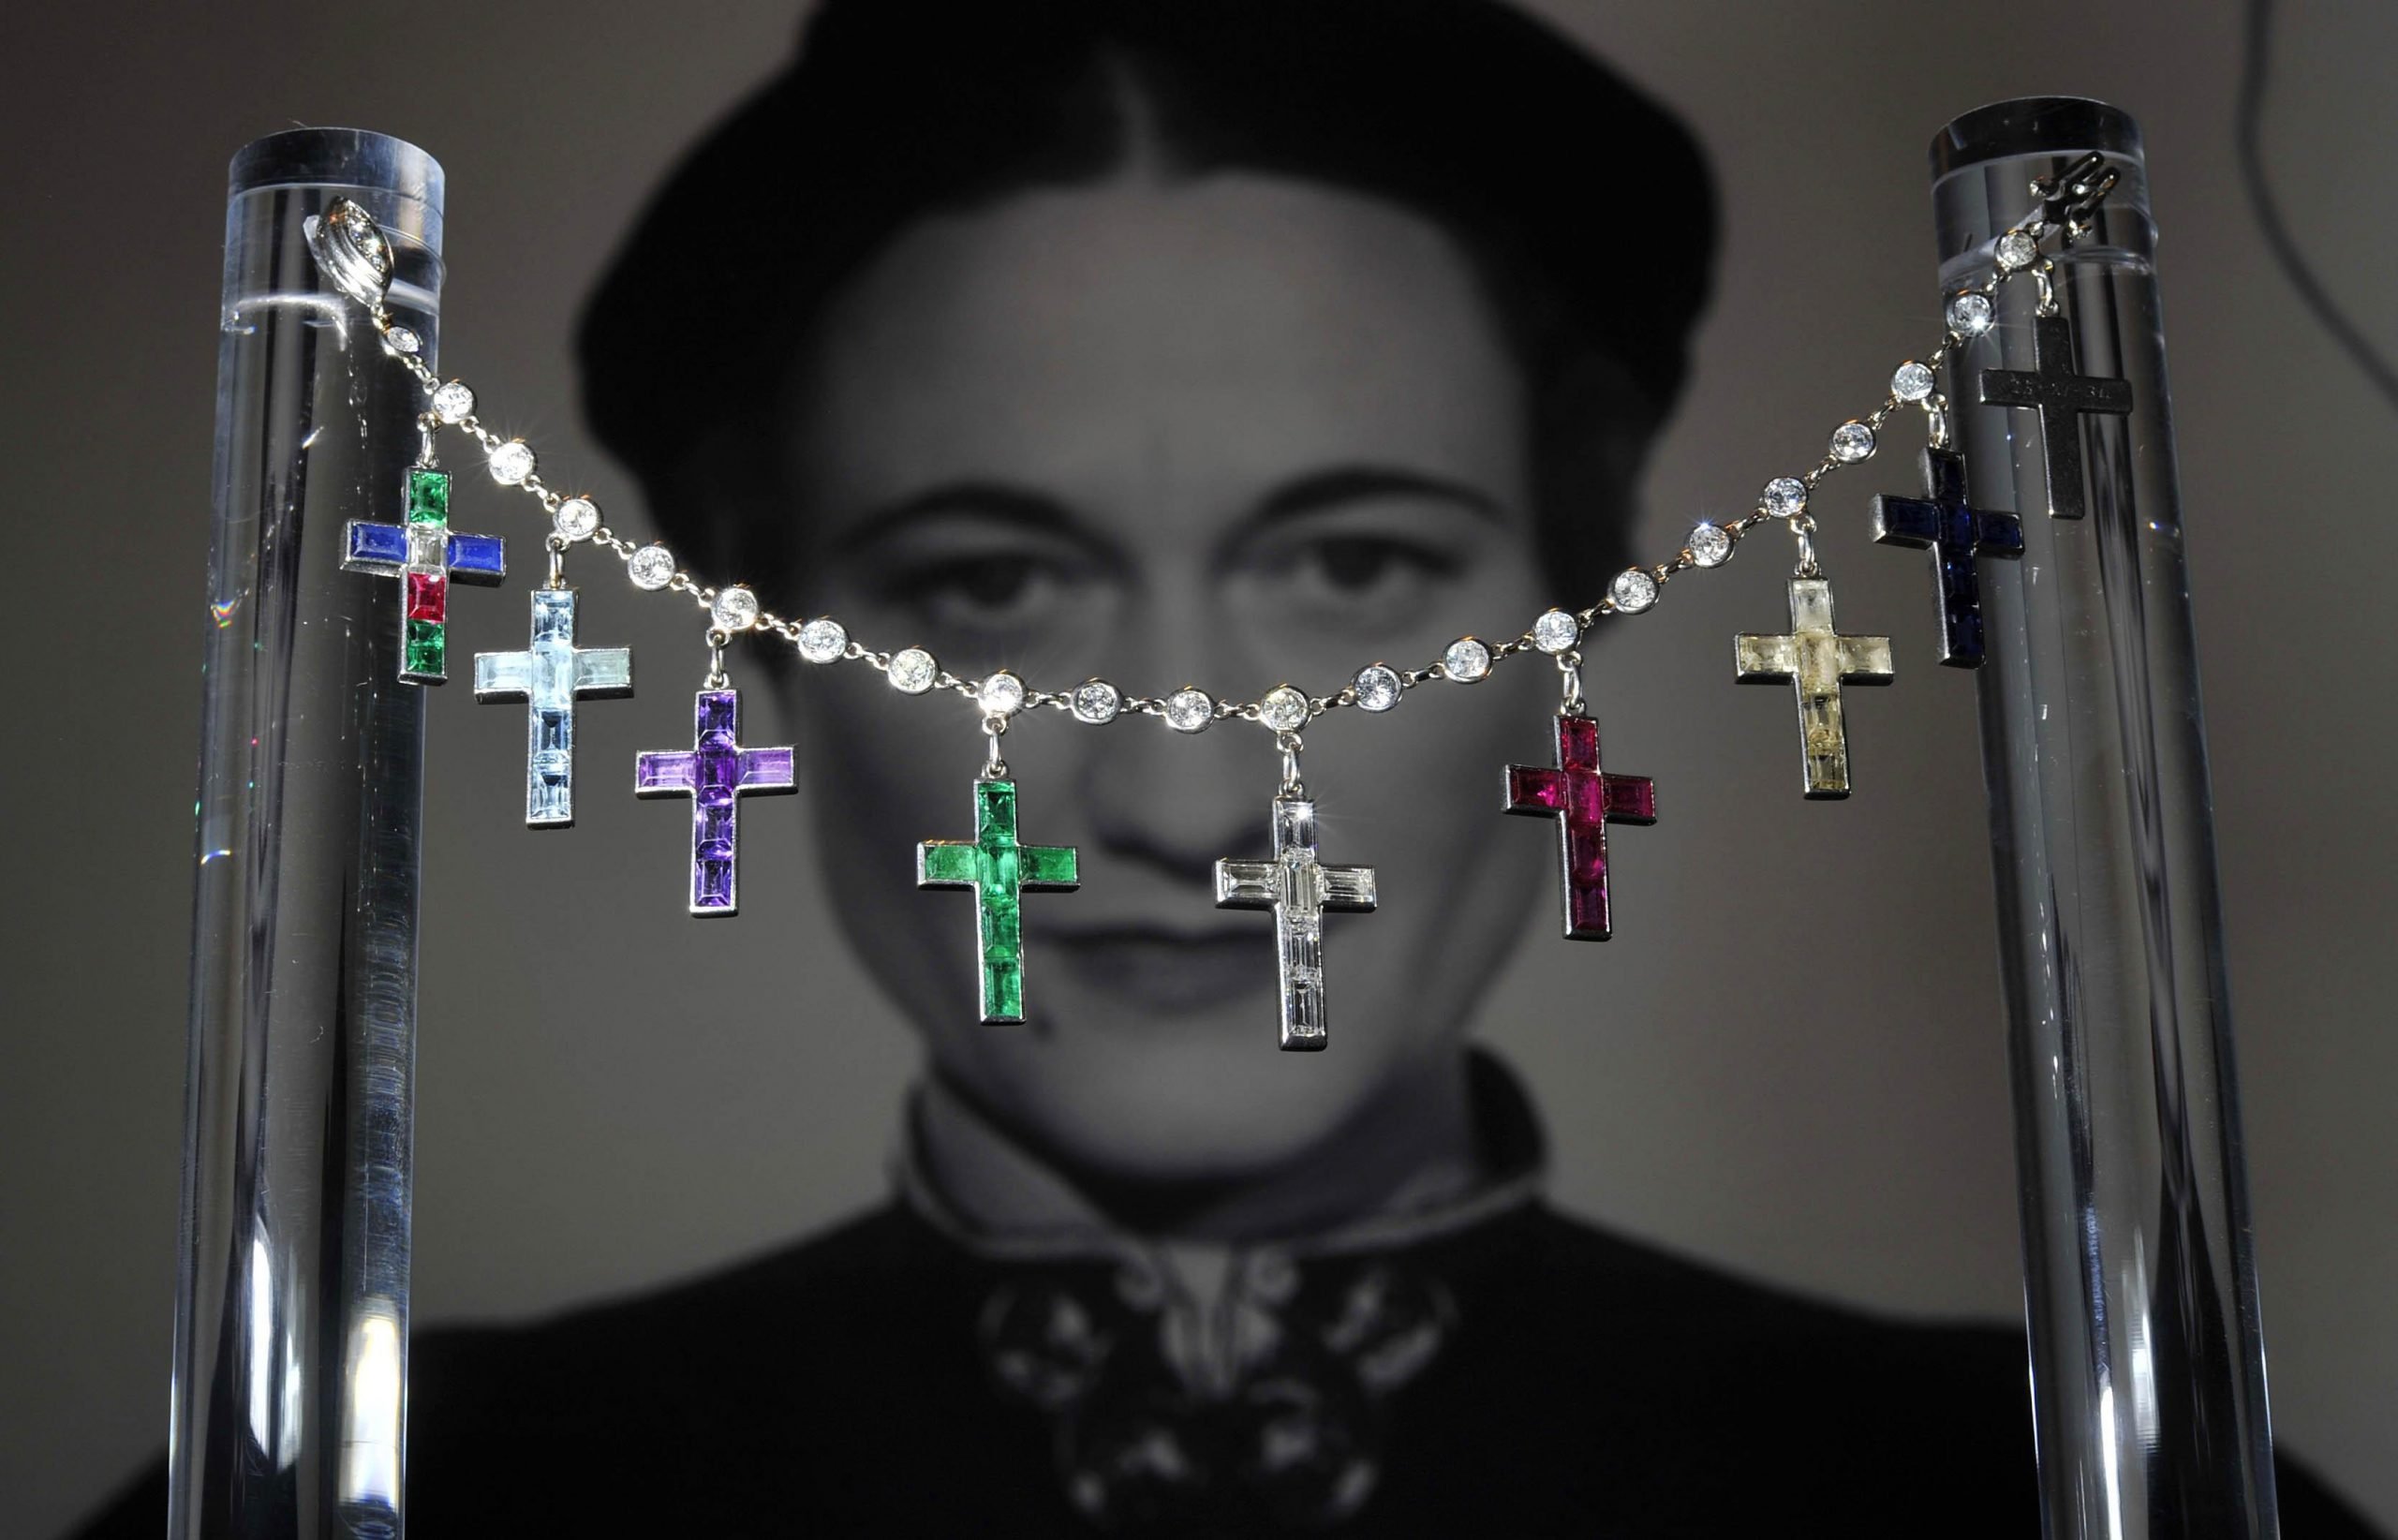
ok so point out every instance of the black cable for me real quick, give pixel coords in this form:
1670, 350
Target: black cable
2248, 136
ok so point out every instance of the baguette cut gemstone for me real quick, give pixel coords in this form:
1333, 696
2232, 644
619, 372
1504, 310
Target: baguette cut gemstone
1816, 660
1584, 799
715, 773
425, 556
999, 870
1301, 890
548, 675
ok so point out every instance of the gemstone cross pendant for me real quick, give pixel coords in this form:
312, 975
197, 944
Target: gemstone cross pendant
716, 773
424, 555
547, 676
1956, 535
1816, 660
2061, 397
1301, 890
1584, 800
999, 870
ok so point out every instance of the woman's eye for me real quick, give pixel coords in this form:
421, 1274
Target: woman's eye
986, 590
1363, 564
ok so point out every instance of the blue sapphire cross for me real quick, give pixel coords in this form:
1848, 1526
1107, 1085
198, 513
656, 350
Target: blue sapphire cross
1957, 536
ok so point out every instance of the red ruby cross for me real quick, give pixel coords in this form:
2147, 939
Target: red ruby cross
1584, 800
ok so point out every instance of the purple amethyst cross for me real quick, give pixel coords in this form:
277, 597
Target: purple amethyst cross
714, 773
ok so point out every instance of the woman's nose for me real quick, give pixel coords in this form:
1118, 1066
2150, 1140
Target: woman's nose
1180, 801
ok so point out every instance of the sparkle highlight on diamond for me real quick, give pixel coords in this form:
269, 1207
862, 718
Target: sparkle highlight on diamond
1969, 315
1710, 545
575, 519
511, 463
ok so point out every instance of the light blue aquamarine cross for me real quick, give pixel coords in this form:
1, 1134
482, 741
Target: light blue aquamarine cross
548, 675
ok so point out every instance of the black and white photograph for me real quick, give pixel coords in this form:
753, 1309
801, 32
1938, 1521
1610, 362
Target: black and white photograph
1350, 768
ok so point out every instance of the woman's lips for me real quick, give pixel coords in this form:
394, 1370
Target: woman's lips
1163, 970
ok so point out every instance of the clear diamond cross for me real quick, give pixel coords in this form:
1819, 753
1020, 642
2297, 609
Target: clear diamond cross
1301, 890
1816, 660
548, 675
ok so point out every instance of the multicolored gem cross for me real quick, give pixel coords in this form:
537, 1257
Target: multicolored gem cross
716, 773
547, 676
1956, 536
2061, 397
1299, 889
1816, 660
1584, 799
424, 555
999, 870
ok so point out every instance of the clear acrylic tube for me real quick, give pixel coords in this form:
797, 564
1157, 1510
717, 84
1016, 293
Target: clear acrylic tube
291, 1311
2140, 1287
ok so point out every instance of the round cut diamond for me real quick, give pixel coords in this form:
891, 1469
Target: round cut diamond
575, 519
1785, 497
824, 640
734, 609
1096, 700
1467, 660
1710, 545
912, 671
1556, 631
1969, 315
1378, 686
1633, 590
1913, 382
1001, 695
402, 339
1189, 710
651, 567
511, 463
1285, 709
2017, 249
454, 402
1852, 441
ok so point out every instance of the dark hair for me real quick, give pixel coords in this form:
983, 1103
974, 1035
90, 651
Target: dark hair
1587, 208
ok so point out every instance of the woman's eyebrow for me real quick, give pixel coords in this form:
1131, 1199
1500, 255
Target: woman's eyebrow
1340, 484
996, 501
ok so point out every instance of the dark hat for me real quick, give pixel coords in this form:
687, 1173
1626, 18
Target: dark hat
1590, 206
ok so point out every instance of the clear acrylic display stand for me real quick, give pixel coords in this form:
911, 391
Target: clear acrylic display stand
2141, 1291
291, 1311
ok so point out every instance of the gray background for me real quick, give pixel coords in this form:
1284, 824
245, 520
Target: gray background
1804, 1080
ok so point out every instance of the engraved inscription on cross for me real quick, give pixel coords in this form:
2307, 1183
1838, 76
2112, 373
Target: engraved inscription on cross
715, 773
2061, 397
1301, 890
999, 870
1956, 536
1584, 799
424, 555
547, 676
1816, 660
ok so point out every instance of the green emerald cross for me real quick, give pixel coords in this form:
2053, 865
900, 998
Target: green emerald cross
999, 870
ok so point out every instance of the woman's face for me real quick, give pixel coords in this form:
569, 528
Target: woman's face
1226, 432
